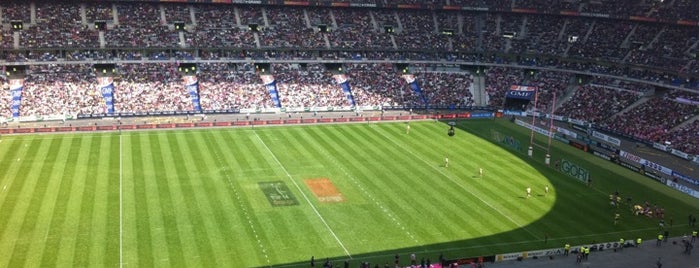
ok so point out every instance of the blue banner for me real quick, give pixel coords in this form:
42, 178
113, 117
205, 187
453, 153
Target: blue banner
521, 92
271, 85
192, 85
16, 87
106, 85
412, 81
343, 81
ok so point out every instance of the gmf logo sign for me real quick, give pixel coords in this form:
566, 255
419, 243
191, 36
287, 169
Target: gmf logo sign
574, 170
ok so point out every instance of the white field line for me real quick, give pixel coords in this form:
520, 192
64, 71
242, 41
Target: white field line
383, 208
456, 182
237, 195
121, 202
305, 196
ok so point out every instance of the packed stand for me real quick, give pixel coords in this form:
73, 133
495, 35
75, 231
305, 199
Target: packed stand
215, 17
685, 139
680, 10
16, 11
498, 80
98, 12
375, 84
435, 3
252, 15
5, 99
385, 18
419, 32
603, 42
140, 27
221, 38
446, 90
622, 8
296, 38
492, 39
550, 84
177, 13
652, 119
466, 41
150, 88
60, 90
319, 16
217, 28
669, 51
355, 30
542, 36
469, 3
58, 25
288, 29
229, 87
309, 87
548, 6
447, 20
595, 103
6, 39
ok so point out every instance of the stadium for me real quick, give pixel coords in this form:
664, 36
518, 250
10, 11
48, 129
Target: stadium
335, 133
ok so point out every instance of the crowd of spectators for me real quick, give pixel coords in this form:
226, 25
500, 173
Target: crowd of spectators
146, 25
548, 6
150, 88
252, 15
356, 30
604, 42
143, 25
595, 103
216, 17
685, 138
5, 99
60, 90
542, 36
6, 39
549, 85
225, 87
58, 26
16, 11
497, 81
142, 88
140, 26
652, 119
177, 13
99, 12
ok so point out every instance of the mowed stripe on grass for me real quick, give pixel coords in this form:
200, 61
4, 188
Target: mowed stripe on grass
193, 198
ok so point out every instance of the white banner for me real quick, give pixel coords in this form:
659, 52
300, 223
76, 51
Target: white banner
567, 132
606, 138
557, 251
681, 154
682, 188
577, 122
659, 146
535, 128
543, 253
648, 164
508, 256
655, 166
630, 156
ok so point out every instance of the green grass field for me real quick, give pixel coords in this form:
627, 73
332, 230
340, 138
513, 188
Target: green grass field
239, 197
